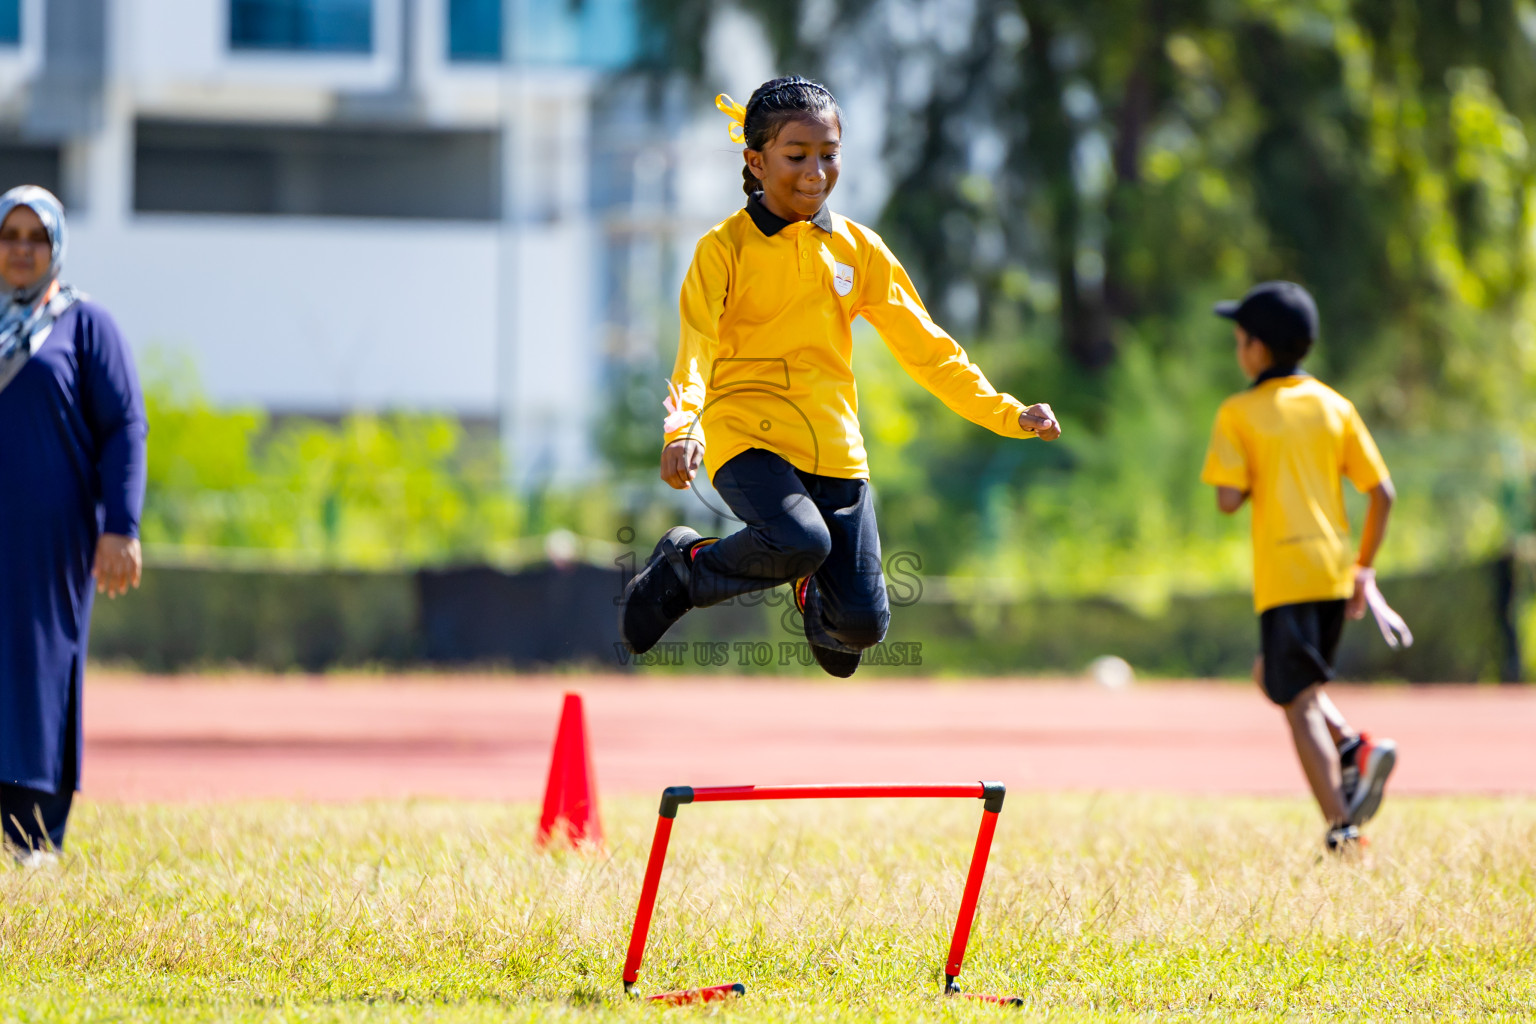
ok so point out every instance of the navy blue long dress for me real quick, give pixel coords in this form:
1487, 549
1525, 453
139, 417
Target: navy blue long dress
72, 440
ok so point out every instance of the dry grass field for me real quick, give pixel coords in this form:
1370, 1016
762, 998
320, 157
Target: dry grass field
1095, 908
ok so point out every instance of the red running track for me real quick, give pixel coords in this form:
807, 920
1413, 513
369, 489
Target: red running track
340, 738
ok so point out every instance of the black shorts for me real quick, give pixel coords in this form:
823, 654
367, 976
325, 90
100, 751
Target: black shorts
1299, 642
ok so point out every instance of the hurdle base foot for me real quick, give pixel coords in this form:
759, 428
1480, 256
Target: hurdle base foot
683, 997
994, 1000
952, 989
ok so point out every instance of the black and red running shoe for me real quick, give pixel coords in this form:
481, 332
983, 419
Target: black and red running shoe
1373, 762
841, 664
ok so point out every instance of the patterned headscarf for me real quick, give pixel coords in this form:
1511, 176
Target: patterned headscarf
27, 314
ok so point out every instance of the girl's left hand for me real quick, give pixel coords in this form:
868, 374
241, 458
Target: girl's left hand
119, 564
1041, 420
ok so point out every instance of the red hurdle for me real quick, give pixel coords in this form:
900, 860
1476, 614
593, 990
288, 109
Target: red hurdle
990, 793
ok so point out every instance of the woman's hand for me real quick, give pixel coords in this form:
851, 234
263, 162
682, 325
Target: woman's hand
119, 563
1041, 420
680, 462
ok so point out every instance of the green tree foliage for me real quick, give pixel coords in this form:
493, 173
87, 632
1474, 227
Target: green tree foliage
1125, 150
1076, 182
367, 491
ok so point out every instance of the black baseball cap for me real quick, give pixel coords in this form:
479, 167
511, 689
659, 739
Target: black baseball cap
1279, 313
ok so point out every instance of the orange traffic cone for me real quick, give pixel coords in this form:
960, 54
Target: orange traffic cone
570, 797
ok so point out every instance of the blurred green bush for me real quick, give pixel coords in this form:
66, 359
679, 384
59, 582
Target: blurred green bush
1116, 507
189, 619
368, 490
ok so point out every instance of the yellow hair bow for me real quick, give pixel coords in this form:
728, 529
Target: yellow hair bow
737, 129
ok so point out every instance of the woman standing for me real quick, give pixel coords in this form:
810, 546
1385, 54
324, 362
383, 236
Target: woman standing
72, 434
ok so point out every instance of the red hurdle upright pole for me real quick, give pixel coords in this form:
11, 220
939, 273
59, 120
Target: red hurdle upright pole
990, 810
670, 798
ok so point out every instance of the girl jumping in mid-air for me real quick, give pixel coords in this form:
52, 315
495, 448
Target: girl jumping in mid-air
764, 374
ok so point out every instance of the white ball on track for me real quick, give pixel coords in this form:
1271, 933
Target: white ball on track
1111, 672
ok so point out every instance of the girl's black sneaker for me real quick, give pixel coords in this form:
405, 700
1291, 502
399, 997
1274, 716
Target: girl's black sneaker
658, 595
835, 663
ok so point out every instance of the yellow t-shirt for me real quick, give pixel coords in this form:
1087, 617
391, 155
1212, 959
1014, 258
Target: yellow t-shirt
1289, 442
765, 359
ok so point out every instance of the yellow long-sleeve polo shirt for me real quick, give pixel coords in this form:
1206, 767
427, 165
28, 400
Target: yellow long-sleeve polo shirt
765, 358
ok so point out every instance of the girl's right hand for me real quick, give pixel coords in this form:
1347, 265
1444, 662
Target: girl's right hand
680, 462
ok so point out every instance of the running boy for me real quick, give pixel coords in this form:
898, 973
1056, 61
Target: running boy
1288, 441
764, 372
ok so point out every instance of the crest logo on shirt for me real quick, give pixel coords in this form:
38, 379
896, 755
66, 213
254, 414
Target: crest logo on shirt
842, 278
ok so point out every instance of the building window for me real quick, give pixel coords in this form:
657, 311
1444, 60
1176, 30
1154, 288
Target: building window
601, 34
332, 171
28, 163
474, 30
10, 22
313, 26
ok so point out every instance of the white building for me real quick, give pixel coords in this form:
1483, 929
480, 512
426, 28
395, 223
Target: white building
343, 204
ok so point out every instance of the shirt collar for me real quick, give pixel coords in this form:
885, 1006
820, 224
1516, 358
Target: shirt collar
770, 223
1277, 372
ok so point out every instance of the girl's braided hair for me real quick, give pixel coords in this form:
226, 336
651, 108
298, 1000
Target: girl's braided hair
775, 104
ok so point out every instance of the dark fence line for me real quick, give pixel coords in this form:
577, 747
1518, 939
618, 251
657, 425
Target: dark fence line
185, 619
